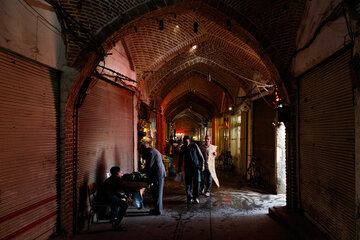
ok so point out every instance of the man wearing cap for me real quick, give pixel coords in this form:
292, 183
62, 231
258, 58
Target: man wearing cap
155, 170
194, 163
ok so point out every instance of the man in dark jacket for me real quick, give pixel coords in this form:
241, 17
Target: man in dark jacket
114, 192
194, 162
155, 171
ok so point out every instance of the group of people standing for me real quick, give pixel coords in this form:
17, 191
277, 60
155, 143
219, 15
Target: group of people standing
199, 168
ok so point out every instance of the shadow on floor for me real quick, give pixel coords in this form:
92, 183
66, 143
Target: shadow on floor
231, 212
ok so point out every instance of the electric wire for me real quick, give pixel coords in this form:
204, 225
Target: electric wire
57, 31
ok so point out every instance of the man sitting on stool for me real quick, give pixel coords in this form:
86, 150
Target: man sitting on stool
114, 192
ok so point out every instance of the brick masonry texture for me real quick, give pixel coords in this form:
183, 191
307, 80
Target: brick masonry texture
235, 39
260, 33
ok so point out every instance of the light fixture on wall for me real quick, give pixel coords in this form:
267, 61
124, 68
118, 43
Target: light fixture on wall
196, 26
161, 25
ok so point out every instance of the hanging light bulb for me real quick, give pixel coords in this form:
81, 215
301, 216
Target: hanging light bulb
196, 26
161, 25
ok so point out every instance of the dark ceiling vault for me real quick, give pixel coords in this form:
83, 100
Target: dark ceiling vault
243, 45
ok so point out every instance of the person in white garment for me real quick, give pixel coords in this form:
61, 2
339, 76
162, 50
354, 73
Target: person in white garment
209, 152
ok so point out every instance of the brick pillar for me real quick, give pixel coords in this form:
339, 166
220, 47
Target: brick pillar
69, 171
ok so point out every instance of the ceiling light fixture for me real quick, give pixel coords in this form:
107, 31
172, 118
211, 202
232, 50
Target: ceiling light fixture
196, 26
228, 24
194, 47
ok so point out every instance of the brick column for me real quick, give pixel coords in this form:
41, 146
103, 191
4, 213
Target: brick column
68, 175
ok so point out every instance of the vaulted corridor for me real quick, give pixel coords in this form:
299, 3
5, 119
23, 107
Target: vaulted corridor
273, 84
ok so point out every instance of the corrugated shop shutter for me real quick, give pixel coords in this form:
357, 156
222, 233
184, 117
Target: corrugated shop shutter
327, 149
29, 96
106, 135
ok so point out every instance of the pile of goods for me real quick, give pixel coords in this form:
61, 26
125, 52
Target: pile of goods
135, 177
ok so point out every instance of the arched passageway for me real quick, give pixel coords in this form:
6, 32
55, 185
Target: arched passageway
109, 73
196, 71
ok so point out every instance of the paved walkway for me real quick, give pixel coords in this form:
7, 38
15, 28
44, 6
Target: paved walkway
231, 212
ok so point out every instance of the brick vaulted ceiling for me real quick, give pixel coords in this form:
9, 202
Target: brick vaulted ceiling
244, 45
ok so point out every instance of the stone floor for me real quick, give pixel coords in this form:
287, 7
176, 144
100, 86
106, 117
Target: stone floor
231, 212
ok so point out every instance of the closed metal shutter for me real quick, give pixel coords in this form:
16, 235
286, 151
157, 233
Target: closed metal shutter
29, 97
327, 173
106, 135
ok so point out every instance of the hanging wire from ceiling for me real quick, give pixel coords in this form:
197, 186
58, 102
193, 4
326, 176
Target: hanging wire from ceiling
69, 24
47, 23
259, 84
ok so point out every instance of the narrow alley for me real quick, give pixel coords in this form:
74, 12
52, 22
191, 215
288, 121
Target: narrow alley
100, 96
231, 212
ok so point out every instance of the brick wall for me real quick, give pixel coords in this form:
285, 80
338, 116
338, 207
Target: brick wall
267, 29
273, 24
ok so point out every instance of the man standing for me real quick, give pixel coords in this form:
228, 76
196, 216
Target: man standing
209, 152
155, 170
114, 192
194, 162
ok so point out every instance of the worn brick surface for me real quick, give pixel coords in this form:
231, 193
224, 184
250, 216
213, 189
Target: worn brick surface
265, 29
197, 84
261, 37
265, 19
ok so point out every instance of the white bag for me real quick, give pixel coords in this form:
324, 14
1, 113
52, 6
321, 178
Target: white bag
179, 177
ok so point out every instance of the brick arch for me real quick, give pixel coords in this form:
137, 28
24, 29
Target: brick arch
239, 49
196, 82
241, 65
225, 41
256, 18
197, 116
106, 21
192, 114
189, 93
180, 108
229, 82
199, 103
